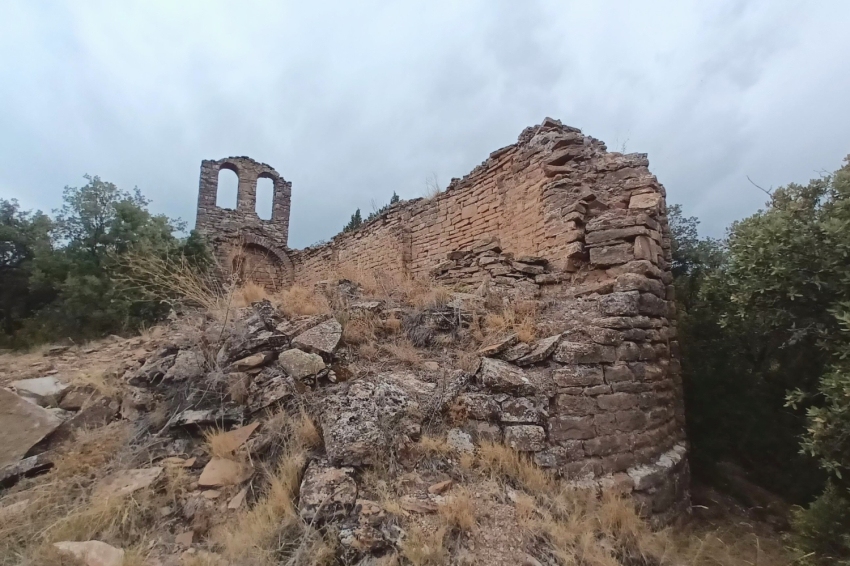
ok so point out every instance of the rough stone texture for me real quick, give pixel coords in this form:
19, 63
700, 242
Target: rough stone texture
321, 339
247, 246
525, 438
363, 420
126, 482
44, 391
554, 218
23, 424
92, 552
326, 492
298, 364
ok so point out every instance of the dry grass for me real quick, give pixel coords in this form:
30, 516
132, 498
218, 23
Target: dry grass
404, 351
505, 463
60, 506
393, 287
435, 446
174, 279
305, 431
425, 548
249, 293
458, 512
272, 529
299, 300
101, 382
519, 318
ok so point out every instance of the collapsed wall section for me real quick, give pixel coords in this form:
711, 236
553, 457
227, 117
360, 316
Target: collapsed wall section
582, 233
559, 221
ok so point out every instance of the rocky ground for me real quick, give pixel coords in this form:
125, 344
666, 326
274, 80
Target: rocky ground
318, 427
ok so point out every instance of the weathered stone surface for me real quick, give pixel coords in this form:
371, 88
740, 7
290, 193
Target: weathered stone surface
565, 428
498, 346
126, 482
23, 424
652, 305
648, 200
605, 445
459, 440
252, 361
579, 353
559, 456
525, 438
637, 282
541, 350
578, 376
525, 410
221, 472
501, 377
31, 466
515, 352
361, 419
76, 397
618, 372
321, 339
44, 391
617, 401
612, 255
620, 304
207, 417
155, 367
576, 404
269, 387
326, 493
189, 365
477, 406
298, 364
599, 236
483, 431
92, 552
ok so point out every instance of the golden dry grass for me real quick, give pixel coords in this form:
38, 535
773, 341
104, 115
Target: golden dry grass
519, 318
248, 293
60, 505
458, 512
174, 278
403, 351
299, 300
505, 463
422, 547
99, 381
272, 527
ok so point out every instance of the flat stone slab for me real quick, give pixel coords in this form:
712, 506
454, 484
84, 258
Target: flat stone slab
298, 364
126, 482
321, 339
326, 492
45, 391
23, 425
92, 552
220, 472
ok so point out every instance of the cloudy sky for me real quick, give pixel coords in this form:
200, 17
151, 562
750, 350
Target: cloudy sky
354, 100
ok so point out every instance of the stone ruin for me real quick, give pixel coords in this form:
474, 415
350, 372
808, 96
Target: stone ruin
554, 218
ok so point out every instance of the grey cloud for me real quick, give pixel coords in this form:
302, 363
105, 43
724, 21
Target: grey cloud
352, 101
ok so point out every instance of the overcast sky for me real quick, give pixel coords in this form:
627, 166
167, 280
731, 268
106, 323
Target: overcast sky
354, 100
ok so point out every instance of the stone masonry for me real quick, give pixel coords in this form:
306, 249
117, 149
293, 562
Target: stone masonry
244, 243
555, 218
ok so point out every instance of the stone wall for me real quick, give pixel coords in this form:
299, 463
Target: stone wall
242, 241
557, 219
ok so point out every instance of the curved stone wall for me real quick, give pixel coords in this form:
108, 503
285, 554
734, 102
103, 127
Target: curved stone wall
558, 219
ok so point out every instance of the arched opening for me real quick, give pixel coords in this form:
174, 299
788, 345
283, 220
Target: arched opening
228, 188
256, 264
265, 198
